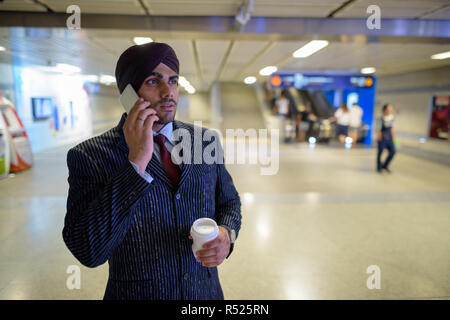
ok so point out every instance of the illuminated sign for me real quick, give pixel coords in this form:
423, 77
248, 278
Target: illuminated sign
319, 81
276, 81
361, 81
42, 108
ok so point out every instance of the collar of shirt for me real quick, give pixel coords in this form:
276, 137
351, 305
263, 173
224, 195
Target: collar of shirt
167, 131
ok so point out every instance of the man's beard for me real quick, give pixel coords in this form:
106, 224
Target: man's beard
168, 118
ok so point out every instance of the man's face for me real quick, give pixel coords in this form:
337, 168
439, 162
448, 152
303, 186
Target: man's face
160, 88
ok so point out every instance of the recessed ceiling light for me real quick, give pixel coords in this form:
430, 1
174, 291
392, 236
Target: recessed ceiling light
310, 48
183, 81
368, 70
186, 85
249, 80
67, 68
190, 89
107, 79
267, 71
440, 56
90, 78
142, 40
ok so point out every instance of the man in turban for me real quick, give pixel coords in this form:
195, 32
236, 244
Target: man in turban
131, 205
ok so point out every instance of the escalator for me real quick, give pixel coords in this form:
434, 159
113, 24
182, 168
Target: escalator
321, 129
318, 102
314, 98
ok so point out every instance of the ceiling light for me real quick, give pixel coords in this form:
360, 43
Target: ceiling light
107, 79
2, 48
368, 70
267, 71
440, 56
47, 69
310, 48
190, 89
142, 40
67, 68
249, 80
90, 78
183, 81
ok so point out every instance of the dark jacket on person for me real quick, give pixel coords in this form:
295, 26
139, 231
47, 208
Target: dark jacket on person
142, 228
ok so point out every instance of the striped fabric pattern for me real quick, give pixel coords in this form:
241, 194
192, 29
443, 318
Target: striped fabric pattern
142, 228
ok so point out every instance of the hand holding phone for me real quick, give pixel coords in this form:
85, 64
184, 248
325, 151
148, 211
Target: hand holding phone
138, 127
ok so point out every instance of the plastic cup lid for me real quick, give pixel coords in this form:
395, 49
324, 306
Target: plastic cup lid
205, 226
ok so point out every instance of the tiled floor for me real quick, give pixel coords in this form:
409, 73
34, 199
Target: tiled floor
309, 232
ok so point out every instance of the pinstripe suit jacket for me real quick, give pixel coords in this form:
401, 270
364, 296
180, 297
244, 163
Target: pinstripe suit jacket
142, 228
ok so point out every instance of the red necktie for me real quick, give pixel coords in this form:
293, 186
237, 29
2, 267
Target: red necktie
172, 170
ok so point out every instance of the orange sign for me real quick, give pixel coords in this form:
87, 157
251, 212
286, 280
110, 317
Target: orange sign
369, 82
275, 81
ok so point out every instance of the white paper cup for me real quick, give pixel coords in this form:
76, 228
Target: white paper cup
203, 230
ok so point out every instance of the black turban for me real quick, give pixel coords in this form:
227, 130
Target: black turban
137, 63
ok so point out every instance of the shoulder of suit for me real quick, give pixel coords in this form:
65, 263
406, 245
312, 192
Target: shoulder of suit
188, 126
94, 145
207, 134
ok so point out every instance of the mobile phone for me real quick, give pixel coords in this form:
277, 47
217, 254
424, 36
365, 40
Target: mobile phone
128, 98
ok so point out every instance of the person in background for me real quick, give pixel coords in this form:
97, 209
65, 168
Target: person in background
356, 114
282, 105
342, 118
385, 137
270, 96
283, 110
305, 119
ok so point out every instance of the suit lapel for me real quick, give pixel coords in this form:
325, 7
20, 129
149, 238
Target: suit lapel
156, 170
186, 168
118, 134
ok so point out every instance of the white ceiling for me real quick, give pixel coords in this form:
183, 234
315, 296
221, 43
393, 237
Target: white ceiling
398, 9
266, 8
204, 60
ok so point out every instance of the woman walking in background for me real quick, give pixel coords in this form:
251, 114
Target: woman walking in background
385, 137
281, 106
342, 117
356, 114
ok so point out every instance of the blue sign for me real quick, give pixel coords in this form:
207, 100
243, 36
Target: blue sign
320, 81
